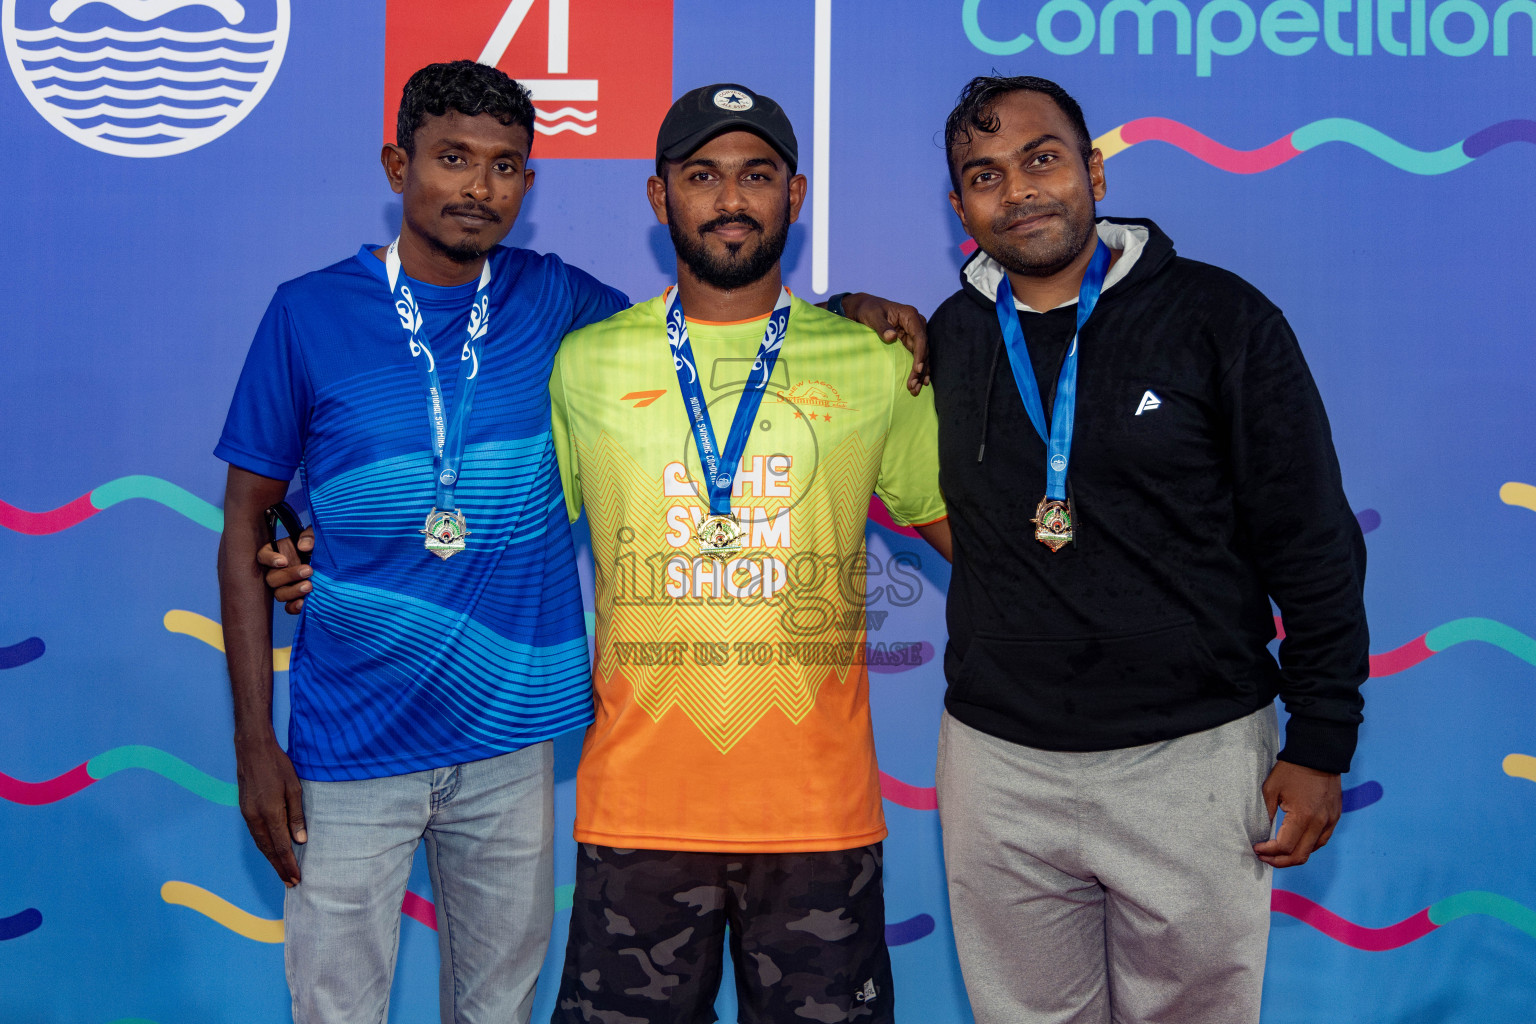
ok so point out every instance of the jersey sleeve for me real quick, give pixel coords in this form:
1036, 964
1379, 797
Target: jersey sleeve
565, 444
908, 482
268, 419
591, 300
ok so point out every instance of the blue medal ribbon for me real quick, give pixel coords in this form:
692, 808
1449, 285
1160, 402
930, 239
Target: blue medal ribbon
720, 464
448, 435
1058, 443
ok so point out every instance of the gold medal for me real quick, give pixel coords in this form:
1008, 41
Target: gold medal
445, 532
720, 536
1053, 523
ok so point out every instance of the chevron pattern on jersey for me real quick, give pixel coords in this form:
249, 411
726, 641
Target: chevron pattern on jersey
725, 698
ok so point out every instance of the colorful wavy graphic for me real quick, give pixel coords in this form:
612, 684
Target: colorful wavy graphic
1362, 796
223, 912
1488, 631
1310, 136
17, 925
99, 499
152, 759
420, 909
887, 658
20, 654
1410, 929
1521, 495
1520, 766
1339, 929
881, 515
262, 929
201, 627
916, 798
910, 930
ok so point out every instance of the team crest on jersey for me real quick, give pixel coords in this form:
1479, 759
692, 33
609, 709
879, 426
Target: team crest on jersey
600, 73
144, 78
815, 393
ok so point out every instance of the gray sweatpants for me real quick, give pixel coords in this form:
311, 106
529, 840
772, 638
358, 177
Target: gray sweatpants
1118, 885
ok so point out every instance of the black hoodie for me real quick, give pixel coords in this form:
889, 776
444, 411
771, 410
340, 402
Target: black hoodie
1204, 482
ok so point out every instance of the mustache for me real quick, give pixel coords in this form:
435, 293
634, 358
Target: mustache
729, 218
1025, 212
476, 209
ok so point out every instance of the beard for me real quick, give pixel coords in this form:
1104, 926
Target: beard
461, 252
464, 251
1043, 256
733, 269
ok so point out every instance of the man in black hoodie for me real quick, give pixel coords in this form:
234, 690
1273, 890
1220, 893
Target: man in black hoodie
1127, 491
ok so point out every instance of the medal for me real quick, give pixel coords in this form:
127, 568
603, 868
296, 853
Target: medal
445, 531
1053, 523
720, 533
1055, 526
720, 536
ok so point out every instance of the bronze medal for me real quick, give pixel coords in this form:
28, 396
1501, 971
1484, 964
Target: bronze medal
1053, 523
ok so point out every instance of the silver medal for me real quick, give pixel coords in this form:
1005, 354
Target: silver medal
445, 532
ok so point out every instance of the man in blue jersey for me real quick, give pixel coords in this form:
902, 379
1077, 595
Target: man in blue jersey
407, 381
444, 644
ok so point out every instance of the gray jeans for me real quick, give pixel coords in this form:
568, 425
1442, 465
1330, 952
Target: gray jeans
1117, 885
489, 827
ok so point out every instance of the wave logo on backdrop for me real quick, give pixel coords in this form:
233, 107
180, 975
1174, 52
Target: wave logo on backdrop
600, 72
144, 78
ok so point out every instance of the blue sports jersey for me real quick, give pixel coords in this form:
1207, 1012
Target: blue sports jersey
404, 661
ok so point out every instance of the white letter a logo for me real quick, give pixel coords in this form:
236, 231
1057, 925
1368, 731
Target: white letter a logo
1149, 401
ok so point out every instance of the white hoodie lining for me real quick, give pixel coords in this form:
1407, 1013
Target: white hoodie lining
986, 274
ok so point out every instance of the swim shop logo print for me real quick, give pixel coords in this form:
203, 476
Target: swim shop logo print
1207, 29
600, 72
144, 78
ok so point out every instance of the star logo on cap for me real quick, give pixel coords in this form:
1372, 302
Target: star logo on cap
733, 99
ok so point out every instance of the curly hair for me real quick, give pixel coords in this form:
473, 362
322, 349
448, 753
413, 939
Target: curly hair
470, 88
974, 113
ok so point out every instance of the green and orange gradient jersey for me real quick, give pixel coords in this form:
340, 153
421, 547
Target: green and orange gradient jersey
733, 701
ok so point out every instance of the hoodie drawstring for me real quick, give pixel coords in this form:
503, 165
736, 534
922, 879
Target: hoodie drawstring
986, 404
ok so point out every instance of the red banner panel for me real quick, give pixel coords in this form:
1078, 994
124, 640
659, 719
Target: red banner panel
600, 70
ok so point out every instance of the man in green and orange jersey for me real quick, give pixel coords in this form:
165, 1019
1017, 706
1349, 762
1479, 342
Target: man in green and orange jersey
730, 779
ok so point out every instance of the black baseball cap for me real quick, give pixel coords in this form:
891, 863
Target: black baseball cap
700, 115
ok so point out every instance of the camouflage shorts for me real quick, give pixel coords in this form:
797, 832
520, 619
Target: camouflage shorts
807, 935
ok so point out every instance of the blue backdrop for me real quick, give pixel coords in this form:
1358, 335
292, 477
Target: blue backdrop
172, 163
